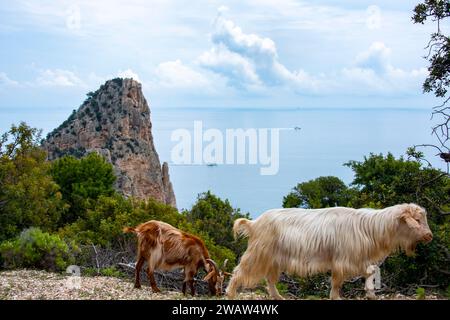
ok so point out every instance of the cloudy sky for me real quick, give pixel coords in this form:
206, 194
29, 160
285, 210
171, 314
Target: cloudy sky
252, 53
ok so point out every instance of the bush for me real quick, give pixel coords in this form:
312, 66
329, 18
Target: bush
420, 293
80, 181
105, 218
321, 192
215, 218
28, 195
37, 249
106, 272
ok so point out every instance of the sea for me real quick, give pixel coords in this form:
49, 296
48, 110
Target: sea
312, 143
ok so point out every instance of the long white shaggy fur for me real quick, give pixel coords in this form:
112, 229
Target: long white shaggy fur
309, 241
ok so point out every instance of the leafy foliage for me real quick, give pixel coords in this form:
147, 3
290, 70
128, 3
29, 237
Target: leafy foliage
438, 79
37, 249
105, 218
82, 180
385, 181
28, 195
321, 192
215, 217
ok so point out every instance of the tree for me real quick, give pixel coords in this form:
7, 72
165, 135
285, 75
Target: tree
384, 181
321, 192
438, 80
28, 195
82, 180
215, 217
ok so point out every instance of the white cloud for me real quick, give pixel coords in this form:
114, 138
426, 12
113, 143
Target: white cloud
314, 52
128, 73
58, 78
248, 60
251, 62
373, 72
238, 70
174, 74
377, 58
250, 45
6, 81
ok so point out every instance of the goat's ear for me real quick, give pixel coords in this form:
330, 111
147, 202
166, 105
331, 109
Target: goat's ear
412, 223
408, 217
227, 274
208, 276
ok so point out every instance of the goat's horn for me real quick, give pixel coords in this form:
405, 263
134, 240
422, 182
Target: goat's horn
211, 262
225, 263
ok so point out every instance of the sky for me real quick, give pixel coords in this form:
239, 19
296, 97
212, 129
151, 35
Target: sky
207, 53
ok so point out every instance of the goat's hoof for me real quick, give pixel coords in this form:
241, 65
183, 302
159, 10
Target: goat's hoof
137, 286
371, 296
230, 296
156, 290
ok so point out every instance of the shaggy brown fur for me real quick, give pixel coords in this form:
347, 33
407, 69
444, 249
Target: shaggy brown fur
165, 247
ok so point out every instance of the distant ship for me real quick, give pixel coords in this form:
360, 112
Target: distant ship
211, 164
297, 128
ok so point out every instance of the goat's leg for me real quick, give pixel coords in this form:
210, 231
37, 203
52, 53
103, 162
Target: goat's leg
233, 286
369, 285
188, 280
151, 278
245, 274
336, 283
191, 284
272, 279
137, 276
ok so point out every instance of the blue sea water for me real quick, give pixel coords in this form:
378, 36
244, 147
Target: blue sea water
327, 139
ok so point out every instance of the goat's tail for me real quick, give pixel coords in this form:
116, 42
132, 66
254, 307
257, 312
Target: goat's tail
129, 229
242, 227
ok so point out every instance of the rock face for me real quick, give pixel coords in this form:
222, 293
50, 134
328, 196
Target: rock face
115, 122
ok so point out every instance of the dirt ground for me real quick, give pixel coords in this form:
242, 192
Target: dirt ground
42, 285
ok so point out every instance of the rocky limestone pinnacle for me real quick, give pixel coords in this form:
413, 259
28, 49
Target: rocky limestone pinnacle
115, 122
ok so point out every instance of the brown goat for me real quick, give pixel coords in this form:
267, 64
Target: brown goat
165, 247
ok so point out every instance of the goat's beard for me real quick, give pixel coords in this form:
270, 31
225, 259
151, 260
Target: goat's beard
410, 249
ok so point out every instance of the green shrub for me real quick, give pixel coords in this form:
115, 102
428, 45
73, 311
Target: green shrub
283, 288
28, 195
37, 249
81, 181
105, 218
215, 218
420, 292
111, 272
316, 285
107, 272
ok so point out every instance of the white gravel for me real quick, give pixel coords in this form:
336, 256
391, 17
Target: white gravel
42, 285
